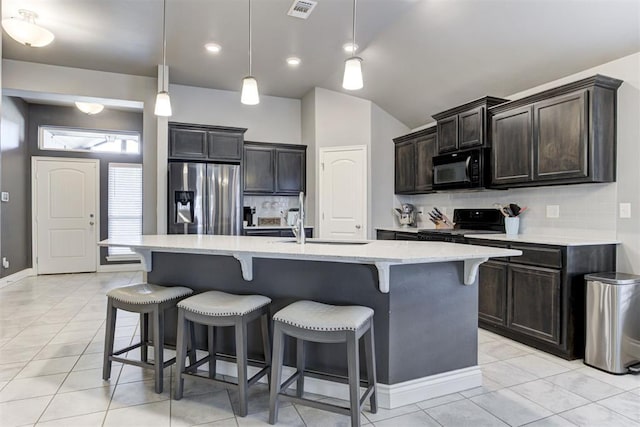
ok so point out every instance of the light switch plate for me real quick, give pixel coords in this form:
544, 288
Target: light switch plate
553, 211
5, 196
625, 210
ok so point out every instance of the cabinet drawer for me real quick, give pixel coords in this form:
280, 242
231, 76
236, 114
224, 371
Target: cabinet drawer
544, 257
491, 244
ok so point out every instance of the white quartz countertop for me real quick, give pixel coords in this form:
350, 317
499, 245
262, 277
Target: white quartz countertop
544, 240
381, 253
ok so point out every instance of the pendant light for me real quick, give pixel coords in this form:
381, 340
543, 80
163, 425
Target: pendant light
25, 30
250, 94
352, 79
163, 102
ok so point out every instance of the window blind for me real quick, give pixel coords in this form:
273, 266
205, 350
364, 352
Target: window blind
125, 204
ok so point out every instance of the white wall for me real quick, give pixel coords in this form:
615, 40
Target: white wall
51, 79
384, 128
588, 209
308, 127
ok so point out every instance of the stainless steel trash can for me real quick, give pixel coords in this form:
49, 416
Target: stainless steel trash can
612, 321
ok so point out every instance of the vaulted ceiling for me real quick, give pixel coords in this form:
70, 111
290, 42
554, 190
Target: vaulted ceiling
420, 56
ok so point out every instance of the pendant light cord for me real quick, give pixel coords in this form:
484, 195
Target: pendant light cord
353, 41
164, 42
250, 59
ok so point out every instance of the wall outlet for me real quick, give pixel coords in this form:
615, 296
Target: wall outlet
625, 210
553, 211
4, 196
5, 262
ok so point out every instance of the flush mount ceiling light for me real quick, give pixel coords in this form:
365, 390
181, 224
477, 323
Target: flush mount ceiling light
352, 79
25, 30
213, 47
89, 108
293, 61
250, 94
350, 47
163, 102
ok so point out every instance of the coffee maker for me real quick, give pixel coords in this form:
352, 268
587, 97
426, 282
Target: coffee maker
406, 214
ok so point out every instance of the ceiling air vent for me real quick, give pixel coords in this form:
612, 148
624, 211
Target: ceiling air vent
302, 8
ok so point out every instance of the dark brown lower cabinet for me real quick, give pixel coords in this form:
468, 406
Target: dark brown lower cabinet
538, 298
276, 232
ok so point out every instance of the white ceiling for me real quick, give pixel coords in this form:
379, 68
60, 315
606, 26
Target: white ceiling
420, 56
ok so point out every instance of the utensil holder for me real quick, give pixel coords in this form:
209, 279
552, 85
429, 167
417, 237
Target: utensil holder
512, 225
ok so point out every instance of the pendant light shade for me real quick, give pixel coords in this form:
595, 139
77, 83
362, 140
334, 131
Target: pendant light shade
163, 104
352, 79
250, 94
25, 30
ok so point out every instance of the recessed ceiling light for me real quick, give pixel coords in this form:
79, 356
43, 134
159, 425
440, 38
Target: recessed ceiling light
350, 47
293, 61
213, 47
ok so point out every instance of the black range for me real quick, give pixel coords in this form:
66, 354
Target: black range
467, 221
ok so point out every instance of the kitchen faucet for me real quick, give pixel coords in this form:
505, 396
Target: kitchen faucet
298, 228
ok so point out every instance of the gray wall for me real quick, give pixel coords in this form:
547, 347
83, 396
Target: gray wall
15, 228
107, 120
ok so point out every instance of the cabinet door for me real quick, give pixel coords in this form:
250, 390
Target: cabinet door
561, 137
492, 288
424, 151
405, 167
448, 134
471, 128
534, 302
512, 146
224, 146
259, 174
187, 143
290, 171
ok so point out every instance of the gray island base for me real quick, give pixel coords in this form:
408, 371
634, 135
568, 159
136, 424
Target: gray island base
425, 326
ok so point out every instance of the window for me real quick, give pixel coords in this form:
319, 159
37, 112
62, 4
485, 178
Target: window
88, 140
125, 206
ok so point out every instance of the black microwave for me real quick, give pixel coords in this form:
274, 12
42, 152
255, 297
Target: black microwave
462, 169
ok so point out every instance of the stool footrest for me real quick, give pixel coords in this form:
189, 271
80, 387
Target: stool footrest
290, 380
194, 366
140, 363
261, 373
126, 349
366, 394
315, 404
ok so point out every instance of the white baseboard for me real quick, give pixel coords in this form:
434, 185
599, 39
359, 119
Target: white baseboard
114, 268
27, 272
389, 396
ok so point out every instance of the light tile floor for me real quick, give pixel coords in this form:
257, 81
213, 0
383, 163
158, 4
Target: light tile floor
52, 335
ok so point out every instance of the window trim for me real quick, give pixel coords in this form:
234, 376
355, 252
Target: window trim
43, 128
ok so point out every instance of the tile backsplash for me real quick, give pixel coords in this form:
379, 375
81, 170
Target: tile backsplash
585, 209
271, 206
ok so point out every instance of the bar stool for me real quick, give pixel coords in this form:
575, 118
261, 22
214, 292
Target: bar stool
146, 299
313, 321
215, 308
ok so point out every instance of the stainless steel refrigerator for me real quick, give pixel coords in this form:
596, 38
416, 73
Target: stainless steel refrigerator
204, 198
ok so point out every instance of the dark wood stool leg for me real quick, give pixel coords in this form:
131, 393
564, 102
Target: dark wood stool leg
370, 352
241, 361
192, 344
109, 338
144, 336
300, 366
353, 362
158, 345
276, 372
211, 345
181, 349
266, 343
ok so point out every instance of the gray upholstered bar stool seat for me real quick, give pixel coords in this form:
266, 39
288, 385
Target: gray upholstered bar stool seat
213, 309
313, 321
146, 299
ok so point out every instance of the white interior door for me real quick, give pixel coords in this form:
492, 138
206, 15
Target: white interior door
66, 215
343, 193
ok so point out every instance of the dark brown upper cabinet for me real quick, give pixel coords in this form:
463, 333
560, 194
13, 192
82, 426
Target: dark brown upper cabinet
565, 135
413, 164
278, 169
465, 126
200, 142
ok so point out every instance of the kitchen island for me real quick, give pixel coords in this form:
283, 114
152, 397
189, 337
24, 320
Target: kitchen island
424, 295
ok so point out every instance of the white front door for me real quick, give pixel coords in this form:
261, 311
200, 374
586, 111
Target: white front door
343, 192
66, 215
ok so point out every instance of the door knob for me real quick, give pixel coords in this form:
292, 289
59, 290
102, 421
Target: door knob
90, 222
358, 227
